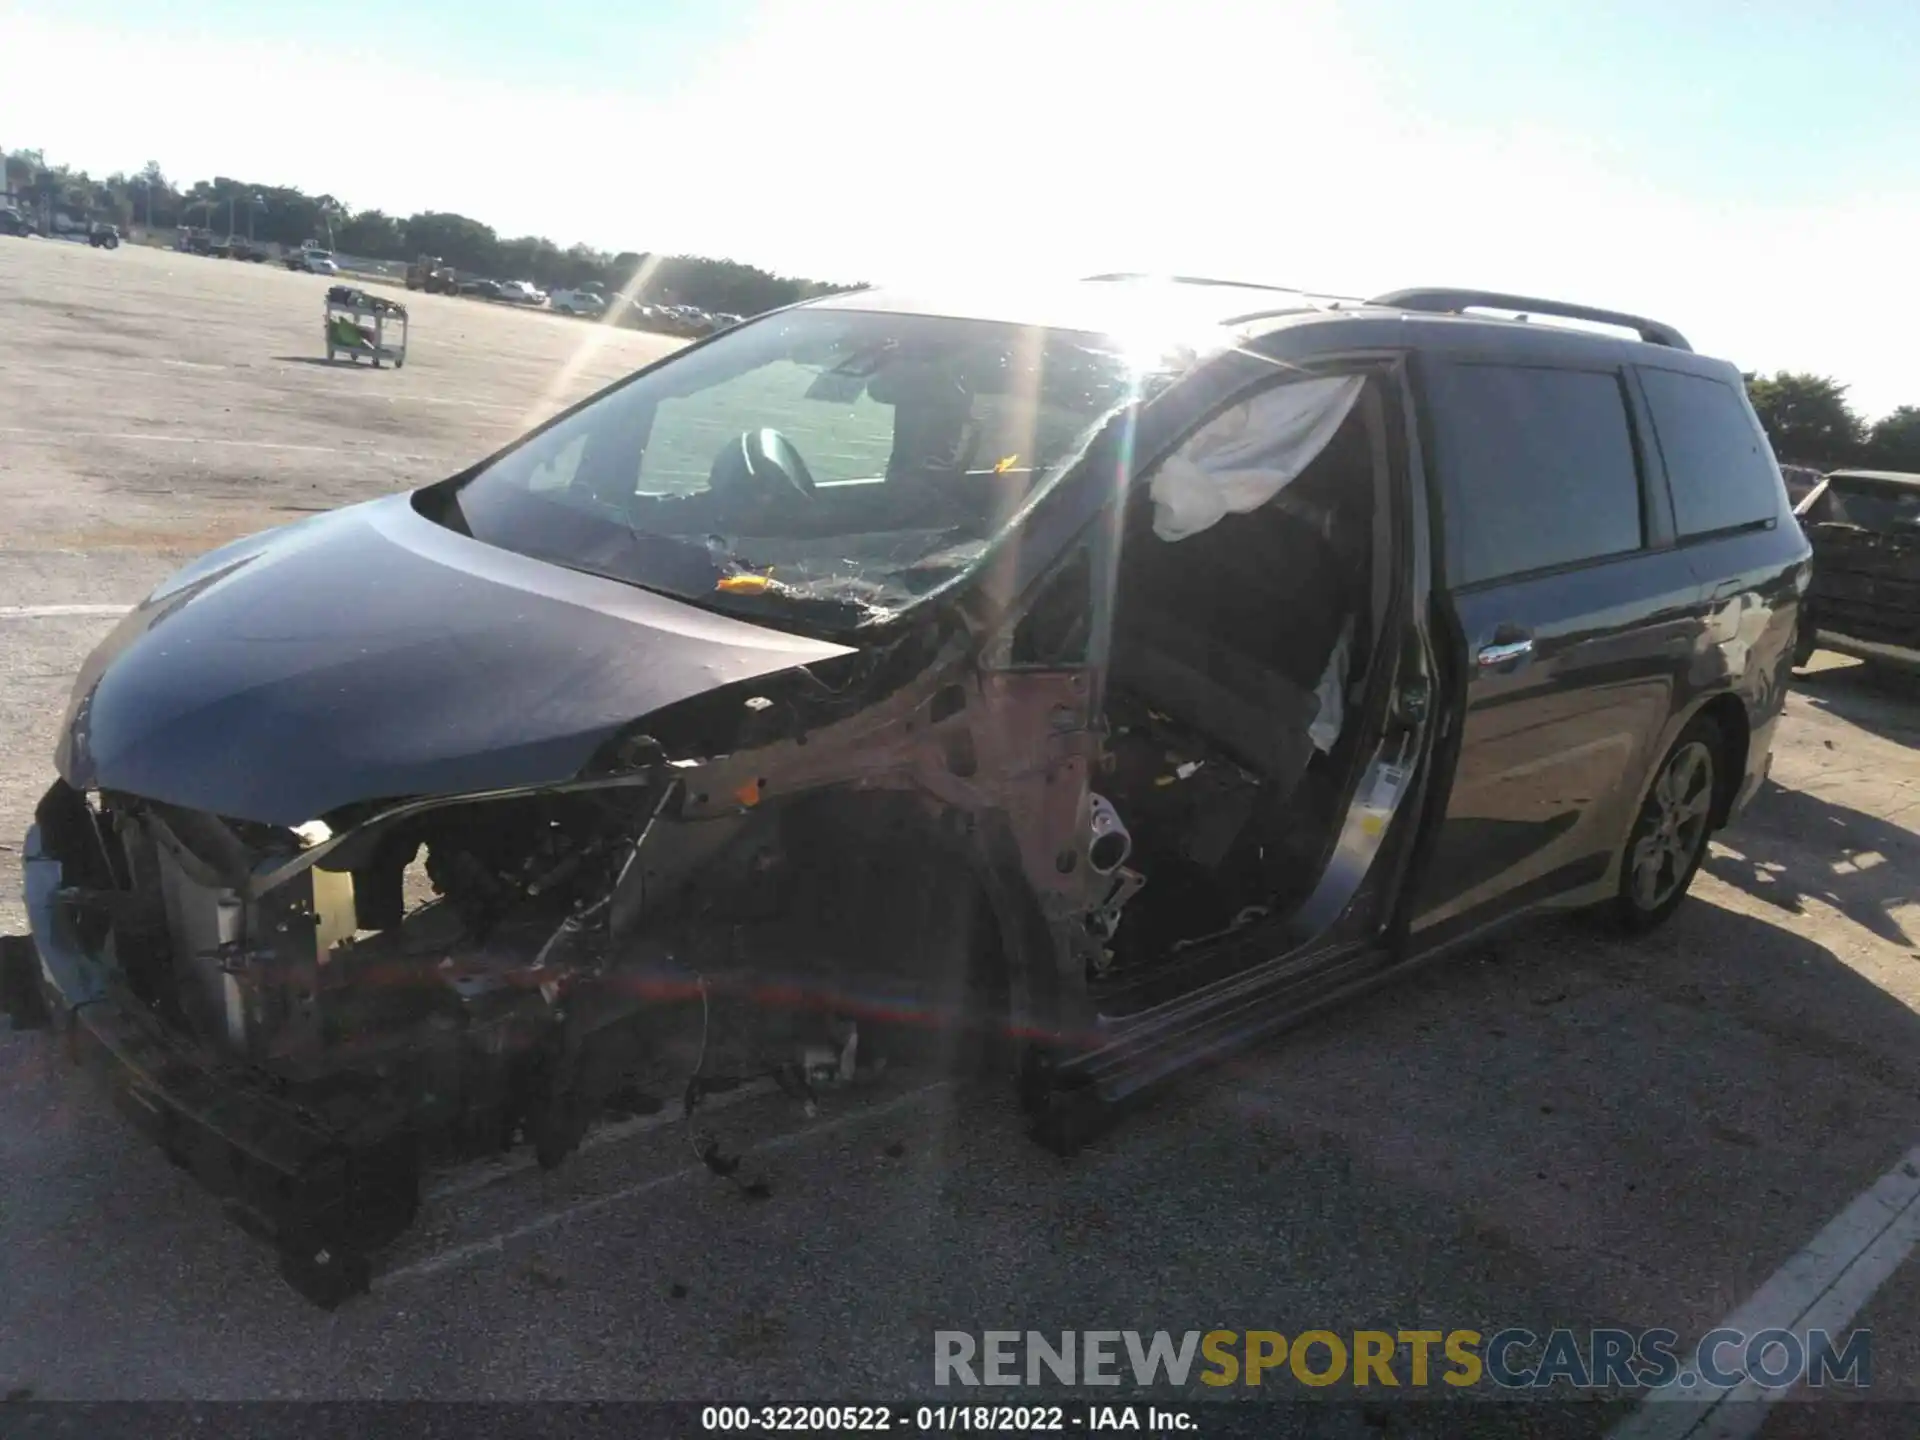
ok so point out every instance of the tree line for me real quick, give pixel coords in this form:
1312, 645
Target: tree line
1810, 422
287, 216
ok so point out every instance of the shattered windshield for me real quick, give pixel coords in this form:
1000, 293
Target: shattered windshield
827, 468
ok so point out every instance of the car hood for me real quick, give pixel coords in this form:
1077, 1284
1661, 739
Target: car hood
370, 654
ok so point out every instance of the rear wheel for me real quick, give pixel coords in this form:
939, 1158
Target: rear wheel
1669, 838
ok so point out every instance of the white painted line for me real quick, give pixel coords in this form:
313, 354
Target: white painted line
479, 1177
152, 438
1741, 1415
48, 612
123, 372
495, 1244
1822, 1287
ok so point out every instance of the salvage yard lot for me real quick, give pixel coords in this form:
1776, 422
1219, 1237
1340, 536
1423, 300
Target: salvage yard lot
1552, 1129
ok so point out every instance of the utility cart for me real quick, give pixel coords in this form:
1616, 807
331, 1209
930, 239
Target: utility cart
361, 324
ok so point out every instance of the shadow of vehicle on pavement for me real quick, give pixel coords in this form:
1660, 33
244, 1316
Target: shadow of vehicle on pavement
1881, 701
1791, 846
1638, 1129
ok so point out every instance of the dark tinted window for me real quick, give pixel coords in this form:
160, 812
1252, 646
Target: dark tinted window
1718, 462
1538, 468
1882, 507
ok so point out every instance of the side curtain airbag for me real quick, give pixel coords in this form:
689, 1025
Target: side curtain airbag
1241, 459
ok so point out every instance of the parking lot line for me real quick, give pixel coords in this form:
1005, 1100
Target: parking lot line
496, 1243
1822, 1287
49, 612
147, 437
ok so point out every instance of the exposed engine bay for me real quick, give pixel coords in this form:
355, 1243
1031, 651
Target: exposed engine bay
430, 981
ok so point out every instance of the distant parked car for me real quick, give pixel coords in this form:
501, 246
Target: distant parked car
585, 300
1800, 481
685, 320
12, 222
523, 292
104, 237
433, 275
314, 262
1864, 526
481, 289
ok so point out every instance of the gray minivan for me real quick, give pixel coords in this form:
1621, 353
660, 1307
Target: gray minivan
1088, 678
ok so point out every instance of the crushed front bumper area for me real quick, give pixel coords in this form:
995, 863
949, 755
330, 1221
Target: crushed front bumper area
326, 1199
802, 942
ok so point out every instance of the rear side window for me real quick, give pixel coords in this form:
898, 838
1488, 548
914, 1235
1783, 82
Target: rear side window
1537, 467
1718, 462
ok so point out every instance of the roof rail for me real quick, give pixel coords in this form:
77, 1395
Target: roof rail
1447, 302
1198, 280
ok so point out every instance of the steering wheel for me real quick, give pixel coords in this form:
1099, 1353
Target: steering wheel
760, 464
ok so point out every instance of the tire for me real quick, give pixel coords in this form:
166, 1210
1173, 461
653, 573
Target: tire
1803, 645
1669, 836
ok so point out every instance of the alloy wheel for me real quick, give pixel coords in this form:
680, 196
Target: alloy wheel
1673, 825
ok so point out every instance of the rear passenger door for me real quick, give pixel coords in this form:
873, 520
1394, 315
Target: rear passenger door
1572, 615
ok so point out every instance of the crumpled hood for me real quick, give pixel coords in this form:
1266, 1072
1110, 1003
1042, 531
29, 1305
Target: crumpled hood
370, 654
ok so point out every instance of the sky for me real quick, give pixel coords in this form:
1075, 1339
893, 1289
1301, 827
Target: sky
1748, 172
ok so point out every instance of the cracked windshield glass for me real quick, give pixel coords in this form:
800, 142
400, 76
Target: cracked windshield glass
846, 462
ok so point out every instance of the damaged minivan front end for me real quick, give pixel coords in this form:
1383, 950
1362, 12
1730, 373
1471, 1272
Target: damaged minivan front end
380, 846
310, 1016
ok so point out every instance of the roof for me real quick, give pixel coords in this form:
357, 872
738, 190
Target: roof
1117, 304
1094, 306
1889, 477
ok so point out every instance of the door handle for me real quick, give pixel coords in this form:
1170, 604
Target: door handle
1504, 652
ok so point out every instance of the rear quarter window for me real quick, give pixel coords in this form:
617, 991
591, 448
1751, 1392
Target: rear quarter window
1537, 468
1719, 466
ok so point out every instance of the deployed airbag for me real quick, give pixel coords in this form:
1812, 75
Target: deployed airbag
1240, 460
